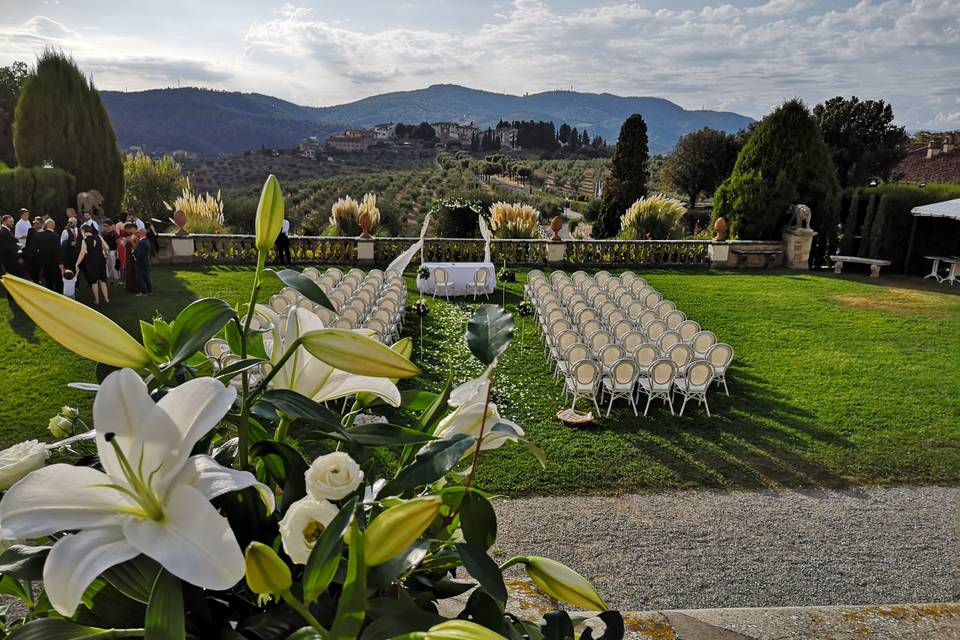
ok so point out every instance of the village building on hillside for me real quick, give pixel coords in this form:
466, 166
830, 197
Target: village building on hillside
352, 140
310, 147
934, 162
385, 131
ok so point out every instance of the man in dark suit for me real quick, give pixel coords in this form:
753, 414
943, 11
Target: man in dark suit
29, 253
48, 255
9, 248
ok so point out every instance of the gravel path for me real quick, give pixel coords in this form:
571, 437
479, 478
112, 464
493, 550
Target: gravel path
695, 549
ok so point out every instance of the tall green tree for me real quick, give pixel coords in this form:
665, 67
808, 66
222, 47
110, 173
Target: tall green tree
700, 162
784, 162
61, 119
862, 138
628, 176
11, 80
149, 183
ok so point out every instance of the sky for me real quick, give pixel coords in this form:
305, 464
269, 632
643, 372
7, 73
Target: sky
743, 56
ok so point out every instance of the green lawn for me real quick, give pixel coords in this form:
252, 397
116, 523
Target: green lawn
836, 380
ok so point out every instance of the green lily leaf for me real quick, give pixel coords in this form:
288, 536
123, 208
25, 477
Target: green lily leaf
485, 570
57, 629
353, 600
432, 462
197, 323
478, 521
303, 284
165, 616
489, 332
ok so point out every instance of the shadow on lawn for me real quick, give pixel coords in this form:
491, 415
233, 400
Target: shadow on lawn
755, 439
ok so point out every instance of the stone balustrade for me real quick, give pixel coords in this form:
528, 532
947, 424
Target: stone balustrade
240, 249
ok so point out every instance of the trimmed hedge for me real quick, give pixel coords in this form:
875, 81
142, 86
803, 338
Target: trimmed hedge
42, 191
878, 223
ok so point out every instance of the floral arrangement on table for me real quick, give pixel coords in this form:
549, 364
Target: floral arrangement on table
226, 499
421, 308
201, 214
423, 273
514, 220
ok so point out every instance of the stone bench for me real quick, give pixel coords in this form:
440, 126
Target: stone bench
769, 256
873, 262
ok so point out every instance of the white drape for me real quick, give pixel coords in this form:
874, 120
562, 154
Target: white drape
402, 261
485, 232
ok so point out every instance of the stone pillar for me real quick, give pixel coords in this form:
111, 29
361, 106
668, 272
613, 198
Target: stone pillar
556, 252
182, 248
719, 253
365, 251
797, 242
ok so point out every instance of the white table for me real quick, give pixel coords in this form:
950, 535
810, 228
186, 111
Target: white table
952, 274
460, 274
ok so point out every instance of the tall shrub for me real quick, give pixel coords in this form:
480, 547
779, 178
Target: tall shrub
42, 191
149, 183
61, 119
850, 224
628, 176
784, 162
657, 215
864, 249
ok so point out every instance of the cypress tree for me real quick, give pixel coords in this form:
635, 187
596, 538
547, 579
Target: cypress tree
628, 176
784, 162
61, 119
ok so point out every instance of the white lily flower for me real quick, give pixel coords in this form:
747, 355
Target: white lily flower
468, 418
306, 374
153, 497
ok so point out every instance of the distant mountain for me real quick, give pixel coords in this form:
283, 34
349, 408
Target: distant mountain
216, 122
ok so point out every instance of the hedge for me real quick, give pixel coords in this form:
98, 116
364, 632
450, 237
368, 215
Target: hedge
42, 191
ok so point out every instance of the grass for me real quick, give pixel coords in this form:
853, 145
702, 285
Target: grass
836, 381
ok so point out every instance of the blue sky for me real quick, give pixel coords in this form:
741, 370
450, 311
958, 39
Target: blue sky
744, 56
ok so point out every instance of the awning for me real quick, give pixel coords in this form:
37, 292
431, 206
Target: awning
946, 209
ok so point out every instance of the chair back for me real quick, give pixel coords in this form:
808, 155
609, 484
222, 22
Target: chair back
565, 339
627, 277
674, 318
610, 354
343, 323
687, 329
624, 373
631, 340
621, 329
699, 375
326, 316
654, 329
662, 374
652, 299
634, 309
216, 347
559, 326
585, 374
312, 273
439, 275
590, 327
646, 317
646, 354
576, 352
667, 339
292, 295
351, 315
614, 317
664, 307
681, 354
279, 303
598, 340
602, 278
585, 314
702, 341
720, 356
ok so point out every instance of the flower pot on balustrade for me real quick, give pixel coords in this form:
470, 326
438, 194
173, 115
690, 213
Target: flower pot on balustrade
797, 243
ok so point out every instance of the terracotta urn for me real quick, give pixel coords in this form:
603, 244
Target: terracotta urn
720, 227
556, 224
180, 219
364, 221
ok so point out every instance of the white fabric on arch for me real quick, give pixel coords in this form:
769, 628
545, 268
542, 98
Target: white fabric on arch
485, 232
401, 262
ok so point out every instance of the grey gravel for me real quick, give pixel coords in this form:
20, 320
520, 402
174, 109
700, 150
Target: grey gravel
699, 549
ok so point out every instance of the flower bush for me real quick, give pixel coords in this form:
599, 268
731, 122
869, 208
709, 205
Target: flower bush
514, 220
229, 500
657, 215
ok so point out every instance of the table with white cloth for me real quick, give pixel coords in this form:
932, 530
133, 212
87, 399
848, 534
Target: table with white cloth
460, 274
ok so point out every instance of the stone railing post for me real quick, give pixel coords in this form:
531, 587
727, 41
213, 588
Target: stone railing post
719, 253
182, 249
364, 251
556, 252
797, 242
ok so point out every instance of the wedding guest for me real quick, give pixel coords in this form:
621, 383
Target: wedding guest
282, 245
88, 219
152, 236
70, 242
29, 252
141, 258
129, 270
9, 249
23, 228
111, 237
93, 257
69, 284
49, 256
135, 219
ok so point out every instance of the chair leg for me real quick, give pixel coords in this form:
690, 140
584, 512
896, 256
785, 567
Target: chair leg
610, 406
706, 405
595, 405
725, 389
684, 405
633, 404
647, 408
669, 399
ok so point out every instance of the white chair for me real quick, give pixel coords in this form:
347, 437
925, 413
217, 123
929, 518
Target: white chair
645, 355
654, 329
631, 340
598, 340
694, 385
652, 299
674, 318
582, 382
682, 355
574, 353
441, 283
659, 384
561, 342
701, 342
720, 356
687, 329
479, 283
619, 383
666, 340
665, 307
608, 356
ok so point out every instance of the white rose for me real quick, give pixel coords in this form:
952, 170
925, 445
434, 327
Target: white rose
19, 460
60, 427
302, 526
333, 476
468, 419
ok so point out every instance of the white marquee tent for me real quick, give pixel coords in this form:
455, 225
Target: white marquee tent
945, 209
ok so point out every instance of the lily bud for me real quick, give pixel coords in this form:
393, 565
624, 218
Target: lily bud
266, 572
60, 427
269, 214
86, 332
563, 583
357, 354
397, 528
460, 630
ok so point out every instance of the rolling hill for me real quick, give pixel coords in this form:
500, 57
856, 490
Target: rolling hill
217, 122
